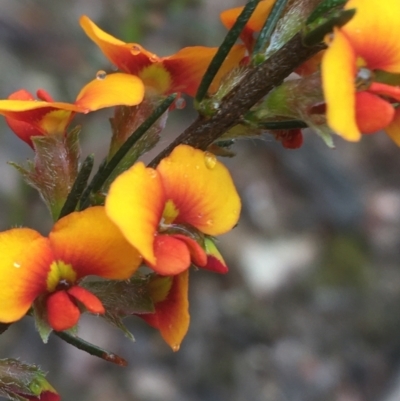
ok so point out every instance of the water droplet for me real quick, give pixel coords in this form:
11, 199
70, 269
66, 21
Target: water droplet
175, 347
153, 58
16, 265
152, 173
114, 67
210, 160
180, 103
136, 49
101, 75
210, 222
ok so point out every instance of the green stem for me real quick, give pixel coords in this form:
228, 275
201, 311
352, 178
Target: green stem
101, 176
269, 26
91, 349
224, 49
278, 125
78, 187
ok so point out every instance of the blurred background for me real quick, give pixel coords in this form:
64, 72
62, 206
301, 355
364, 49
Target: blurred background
310, 308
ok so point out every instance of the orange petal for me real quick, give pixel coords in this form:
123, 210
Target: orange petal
25, 258
172, 255
171, 315
372, 112
374, 33
254, 24
385, 90
189, 64
128, 57
93, 245
114, 89
393, 129
62, 313
338, 73
89, 300
135, 203
202, 190
197, 253
215, 261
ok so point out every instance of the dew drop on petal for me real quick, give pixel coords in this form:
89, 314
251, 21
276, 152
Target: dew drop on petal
114, 67
175, 347
152, 173
136, 49
180, 103
16, 265
210, 222
101, 75
153, 58
210, 160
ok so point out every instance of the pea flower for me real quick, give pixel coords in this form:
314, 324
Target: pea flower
160, 210
80, 244
171, 315
180, 72
368, 43
29, 117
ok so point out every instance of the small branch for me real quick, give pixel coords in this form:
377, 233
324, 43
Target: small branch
257, 83
91, 349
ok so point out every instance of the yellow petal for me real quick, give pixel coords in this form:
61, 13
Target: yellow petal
374, 33
117, 51
93, 245
393, 129
135, 203
113, 90
25, 258
171, 315
202, 190
338, 73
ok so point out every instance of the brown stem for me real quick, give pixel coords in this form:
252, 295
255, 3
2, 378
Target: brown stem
257, 83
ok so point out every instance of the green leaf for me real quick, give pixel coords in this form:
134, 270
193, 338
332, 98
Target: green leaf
324, 8
266, 31
122, 298
315, 32
21, 382
224, 49
78, 187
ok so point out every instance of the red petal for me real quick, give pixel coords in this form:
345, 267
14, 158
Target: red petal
62, 313
89, 300
172, 255
197, 254
372, 112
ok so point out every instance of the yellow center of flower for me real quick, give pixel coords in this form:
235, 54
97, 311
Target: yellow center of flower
156, 78
60, 274
55, 122
170, 213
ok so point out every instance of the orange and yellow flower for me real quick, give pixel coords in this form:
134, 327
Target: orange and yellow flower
158, 209
368, 42
29, 117
180, 72
171, 315
80, 244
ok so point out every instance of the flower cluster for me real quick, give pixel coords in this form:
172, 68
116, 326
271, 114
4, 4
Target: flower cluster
134, 231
